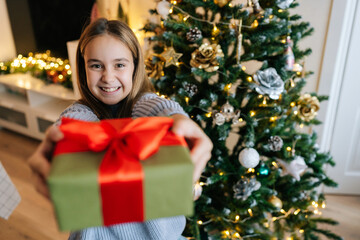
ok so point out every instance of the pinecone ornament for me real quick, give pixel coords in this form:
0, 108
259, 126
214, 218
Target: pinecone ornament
193, 35
275, 143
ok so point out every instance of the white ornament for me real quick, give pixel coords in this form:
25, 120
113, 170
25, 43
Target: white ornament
249, 157
219, 119
295, 168
197, 191
163, 8
297, 67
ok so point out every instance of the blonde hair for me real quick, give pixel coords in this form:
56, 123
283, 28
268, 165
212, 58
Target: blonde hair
140, 81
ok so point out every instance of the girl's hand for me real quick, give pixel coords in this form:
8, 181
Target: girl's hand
199, 143
39, 161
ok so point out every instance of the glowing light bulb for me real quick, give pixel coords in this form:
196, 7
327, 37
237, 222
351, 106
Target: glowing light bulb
237, 235
215, 31
255, 24
227, 87
273, 119
186, 18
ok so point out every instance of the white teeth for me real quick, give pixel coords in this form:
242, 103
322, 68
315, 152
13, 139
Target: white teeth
110, 89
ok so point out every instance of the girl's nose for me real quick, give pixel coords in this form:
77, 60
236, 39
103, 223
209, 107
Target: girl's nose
108, 75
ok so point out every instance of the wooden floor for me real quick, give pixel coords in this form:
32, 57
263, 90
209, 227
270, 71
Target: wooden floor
33, 219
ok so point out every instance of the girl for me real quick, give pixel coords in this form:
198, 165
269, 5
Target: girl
113, 84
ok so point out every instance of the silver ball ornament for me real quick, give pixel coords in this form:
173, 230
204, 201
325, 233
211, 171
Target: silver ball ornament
249, 158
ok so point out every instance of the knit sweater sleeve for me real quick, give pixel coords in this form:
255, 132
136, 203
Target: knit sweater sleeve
78, 111
150, 105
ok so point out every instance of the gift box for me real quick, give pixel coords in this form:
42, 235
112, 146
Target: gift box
119, 170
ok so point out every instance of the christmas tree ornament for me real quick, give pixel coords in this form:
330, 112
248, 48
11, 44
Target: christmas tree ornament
228, 110
263, 170
163, 8
226, 113
268, 82
221, 3
193, 35
275, 143
197, 191
171, 57
297, 68
255, 5
275, 201
289, 55
295, 167
245, 186
284, 4
191, 89
239, 42
154, 67
206, 57
308, 106
249, 158
219, 118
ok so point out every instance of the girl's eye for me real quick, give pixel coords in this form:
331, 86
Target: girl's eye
95, 66
119, 65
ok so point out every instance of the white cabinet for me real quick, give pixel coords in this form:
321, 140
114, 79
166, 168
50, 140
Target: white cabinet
29, 106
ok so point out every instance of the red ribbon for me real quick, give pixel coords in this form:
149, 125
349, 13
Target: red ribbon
126, 141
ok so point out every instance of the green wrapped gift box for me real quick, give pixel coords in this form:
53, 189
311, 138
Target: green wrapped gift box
89, 186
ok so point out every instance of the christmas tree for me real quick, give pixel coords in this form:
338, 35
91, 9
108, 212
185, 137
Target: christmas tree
238, 71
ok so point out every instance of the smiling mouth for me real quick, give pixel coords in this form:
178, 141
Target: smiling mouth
111, 89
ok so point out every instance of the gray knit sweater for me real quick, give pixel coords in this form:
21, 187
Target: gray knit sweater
159, 229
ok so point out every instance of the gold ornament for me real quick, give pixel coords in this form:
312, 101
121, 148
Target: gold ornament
221, 3
308, 106
206, 57
154, 70
171, 57
275, 201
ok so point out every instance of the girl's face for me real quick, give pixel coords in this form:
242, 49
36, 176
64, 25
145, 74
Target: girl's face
109, 69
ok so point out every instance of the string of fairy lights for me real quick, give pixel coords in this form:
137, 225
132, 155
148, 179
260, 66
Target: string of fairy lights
41, 65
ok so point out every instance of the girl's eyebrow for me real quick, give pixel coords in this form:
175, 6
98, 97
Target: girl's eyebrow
115, 60
121, 59
93, 60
